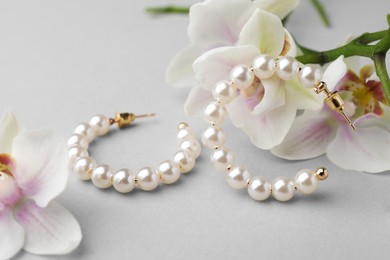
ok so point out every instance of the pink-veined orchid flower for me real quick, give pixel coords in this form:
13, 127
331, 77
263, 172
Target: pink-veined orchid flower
266, 110
33, 171
325, 132
217, 23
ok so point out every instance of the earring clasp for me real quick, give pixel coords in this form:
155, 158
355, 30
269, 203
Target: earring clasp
334, 101
126, 119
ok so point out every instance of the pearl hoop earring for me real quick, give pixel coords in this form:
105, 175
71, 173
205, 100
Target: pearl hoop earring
242, 76
124, 180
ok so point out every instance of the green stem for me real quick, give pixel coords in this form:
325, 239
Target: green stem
321, 11
168, 9
381, 71
371, 45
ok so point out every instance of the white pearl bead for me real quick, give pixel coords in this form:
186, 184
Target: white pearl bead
169, 172
184, 160
224, 92
238, 177
215, 113
123, 181
83, 167
263, 66
148, 179
310, 75
102, 176
191, 146
85, 130
259, 188
213, 137
242, 76
78, 140
306, 181
287, 68
100, 124
283, 188
222, 159
75, 152
185, 133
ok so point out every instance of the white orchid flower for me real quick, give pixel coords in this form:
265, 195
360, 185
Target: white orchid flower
217, 23
266, 110
325, 132
33, 171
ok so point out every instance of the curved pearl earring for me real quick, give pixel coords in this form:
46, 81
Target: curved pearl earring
124, 181
242, 76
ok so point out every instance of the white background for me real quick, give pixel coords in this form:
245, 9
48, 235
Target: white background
61, 62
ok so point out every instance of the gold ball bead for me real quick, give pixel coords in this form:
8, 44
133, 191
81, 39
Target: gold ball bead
182, 125
322, 173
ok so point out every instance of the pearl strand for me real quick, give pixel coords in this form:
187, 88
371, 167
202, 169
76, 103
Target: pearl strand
123, 180
238, 177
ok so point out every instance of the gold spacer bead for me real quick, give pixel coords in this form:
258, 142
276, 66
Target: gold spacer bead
322, 173
182, 125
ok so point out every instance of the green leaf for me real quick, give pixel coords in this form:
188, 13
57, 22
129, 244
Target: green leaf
168, 10
321, 11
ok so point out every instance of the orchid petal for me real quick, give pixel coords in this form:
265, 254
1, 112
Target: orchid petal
334, 73
290, 47
264, 31
41, 170
308, 137
196, 101
367, 149
218, 21
303, 98
372, 119
9, 129
274, 95
179, 72
51, 230
266, 130
216, 64
281, 8
11, 235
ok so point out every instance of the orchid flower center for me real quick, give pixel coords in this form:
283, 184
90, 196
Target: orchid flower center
254, 94
9, 190
366, 94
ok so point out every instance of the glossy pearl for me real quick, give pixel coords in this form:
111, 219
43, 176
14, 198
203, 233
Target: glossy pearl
238, 177
222, 159
85, 130
306, 181
215, 113
224, 92
287, 68
259, 188
102, 176
242, 76
78, 140
75, 152
169, 172
83, 167
123, 181
310, 76
263, 66
100, 124
283, 188
213, 137
148, 179
191, 146
185, 133
184, 160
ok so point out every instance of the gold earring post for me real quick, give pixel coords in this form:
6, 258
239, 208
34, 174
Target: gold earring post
334, 101
126, 119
